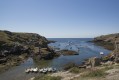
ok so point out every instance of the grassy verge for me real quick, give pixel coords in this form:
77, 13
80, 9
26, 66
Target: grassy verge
69, 66
95, 73
76, 70
46, 77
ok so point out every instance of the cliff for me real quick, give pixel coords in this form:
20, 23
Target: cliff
13, 44
111, 42
108, 41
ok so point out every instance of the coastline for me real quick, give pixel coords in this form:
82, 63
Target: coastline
108, 68
43, 51
15, 47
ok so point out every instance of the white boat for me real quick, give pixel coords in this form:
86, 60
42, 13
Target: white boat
27, 70
101, 53
40, 70
43, 70
49, 69
35, 70
31, 69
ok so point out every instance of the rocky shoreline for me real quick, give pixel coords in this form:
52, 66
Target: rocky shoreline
107, 41
105, 68
15, 47
111, 42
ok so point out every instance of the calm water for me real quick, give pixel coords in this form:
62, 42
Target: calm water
87, 50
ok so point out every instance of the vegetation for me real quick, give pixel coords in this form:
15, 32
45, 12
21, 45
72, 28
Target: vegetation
108, 68
107, 41
74, 70
95, 73
46, 77
14, 47
69, 66
106, 45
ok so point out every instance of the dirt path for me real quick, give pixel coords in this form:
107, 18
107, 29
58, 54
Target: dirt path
113, 74
65, 75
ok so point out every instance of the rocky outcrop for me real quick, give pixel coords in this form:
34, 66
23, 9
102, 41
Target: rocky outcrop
12, 43
108, 41
66, 52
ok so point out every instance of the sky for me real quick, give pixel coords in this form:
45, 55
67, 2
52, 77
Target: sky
60, 18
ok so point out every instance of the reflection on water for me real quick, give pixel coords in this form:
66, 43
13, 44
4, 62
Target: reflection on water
87, 50
43, 63
17, 72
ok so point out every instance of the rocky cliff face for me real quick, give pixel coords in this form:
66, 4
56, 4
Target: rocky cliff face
108, 41
16, 44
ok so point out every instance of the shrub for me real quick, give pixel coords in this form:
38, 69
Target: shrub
95, 73
69, 66
75, 70
46, 77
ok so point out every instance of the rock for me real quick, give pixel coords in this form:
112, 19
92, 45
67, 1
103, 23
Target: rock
107, 41
82, 66
67, 52
36, 50
108, 63
32, 78
111, 42
112, 71
3, 60
13, 44
94, 62
117, 59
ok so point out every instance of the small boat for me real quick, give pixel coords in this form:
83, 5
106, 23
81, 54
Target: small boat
101, 53
44, 71
35, 70
41, 70
31, 69
49, 69
27, 70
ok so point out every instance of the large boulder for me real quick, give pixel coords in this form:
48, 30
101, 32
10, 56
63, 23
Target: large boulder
13, 43
94, 61
3, 60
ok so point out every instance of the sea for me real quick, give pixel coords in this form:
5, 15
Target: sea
86, 47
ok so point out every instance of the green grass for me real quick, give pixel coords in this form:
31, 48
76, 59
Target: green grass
46, 77
75, 70
69, 66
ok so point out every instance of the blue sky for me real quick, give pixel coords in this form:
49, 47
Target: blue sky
60, 18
